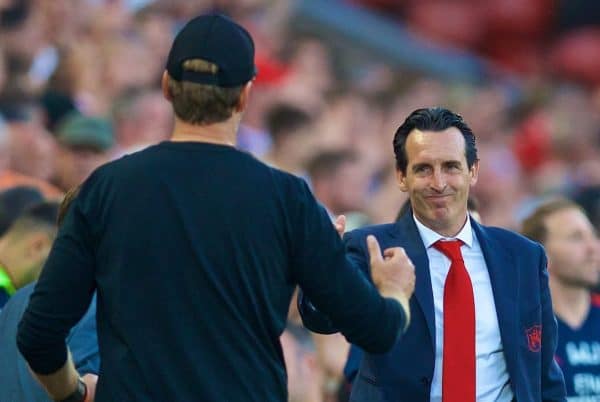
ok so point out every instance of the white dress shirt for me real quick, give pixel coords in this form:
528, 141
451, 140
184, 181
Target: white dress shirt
492, 380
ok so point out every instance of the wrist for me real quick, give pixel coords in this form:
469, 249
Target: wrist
79, 395
402, 299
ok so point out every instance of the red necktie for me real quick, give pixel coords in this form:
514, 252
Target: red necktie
458, 370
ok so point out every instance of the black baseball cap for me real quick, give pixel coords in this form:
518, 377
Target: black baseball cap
216, 39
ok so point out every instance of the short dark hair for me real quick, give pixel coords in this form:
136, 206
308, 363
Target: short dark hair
534, 226
327, 163
40, 216
14, 201
283, 119
432, 119
43, 212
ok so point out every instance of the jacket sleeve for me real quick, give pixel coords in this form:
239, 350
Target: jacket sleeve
312, 317
553, 384
356, 255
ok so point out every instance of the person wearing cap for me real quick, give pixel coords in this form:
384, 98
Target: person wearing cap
194, 249
84, 143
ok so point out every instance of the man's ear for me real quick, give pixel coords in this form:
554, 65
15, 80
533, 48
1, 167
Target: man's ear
244, 97
38, 245
474, 172
164, 83
401, 180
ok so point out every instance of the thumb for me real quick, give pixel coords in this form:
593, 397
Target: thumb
340, 225
374, 249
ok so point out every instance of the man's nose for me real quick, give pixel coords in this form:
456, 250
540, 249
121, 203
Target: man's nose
438, 181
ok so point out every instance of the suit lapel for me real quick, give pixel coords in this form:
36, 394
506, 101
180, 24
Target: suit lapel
407, 232
504, 277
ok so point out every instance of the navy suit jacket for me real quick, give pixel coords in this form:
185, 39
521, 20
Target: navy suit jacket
517, 269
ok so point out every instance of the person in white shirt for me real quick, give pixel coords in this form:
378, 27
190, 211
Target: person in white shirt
482, 326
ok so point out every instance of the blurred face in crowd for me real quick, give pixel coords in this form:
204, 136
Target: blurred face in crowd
353, 182
32, 149
303, 372
23, 252
75, 164
437, 178
149, 121
573, 248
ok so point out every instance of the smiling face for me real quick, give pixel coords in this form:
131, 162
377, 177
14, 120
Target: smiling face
438, 179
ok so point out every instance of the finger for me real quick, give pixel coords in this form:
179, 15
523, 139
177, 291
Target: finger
340, 224
90, 382
397, 252
374, 249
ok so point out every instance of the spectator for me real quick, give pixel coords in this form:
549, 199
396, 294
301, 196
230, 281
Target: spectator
573, 249
16, 381
13, 201
305, 375
84, 144
338, 181
31, 149
25, 246
141, 118
292, 133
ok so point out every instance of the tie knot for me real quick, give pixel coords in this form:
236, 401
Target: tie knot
450, 248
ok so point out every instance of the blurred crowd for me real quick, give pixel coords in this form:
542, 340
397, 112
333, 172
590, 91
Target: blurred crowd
79, 86
557, 38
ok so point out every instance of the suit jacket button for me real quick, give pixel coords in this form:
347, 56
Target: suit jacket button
425, 381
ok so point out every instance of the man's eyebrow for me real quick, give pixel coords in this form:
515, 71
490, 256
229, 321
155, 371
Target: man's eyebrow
420, 165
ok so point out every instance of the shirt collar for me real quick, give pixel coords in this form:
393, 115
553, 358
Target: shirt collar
430, 236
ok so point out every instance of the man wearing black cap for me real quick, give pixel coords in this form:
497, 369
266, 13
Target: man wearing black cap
194, 249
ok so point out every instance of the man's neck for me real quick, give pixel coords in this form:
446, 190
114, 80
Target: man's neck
570, 303
224, 133
445, 230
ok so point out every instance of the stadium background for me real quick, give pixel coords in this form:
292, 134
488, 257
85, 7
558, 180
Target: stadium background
79, 85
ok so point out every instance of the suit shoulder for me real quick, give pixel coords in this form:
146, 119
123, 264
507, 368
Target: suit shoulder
512, 240
375, 230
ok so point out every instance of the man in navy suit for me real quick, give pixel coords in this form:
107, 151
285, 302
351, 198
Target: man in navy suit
482, 326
